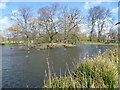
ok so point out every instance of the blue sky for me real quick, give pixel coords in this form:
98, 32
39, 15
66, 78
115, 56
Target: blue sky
6, 8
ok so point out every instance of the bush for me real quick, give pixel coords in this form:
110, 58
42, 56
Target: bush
100, 72
97, 74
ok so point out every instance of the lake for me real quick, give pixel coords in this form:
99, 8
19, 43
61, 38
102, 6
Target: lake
26, 68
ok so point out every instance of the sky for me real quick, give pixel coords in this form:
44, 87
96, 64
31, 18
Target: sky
7, 6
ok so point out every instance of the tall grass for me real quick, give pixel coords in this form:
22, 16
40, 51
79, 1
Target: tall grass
99, 72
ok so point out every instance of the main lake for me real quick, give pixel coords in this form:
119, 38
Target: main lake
26, 68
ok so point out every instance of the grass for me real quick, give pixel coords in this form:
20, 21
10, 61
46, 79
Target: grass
81, 42
99, 72
10, 43
93, 42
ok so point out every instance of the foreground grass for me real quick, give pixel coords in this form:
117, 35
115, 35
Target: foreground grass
99, 72
102, 43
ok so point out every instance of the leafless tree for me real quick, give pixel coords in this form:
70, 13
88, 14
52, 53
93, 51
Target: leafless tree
98, 16
92, 17
47, 16
103, 17
70, 19
22, 17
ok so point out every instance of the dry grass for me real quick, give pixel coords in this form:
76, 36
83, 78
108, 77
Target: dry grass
99, 72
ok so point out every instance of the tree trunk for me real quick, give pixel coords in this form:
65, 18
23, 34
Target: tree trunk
91, 34
99, 36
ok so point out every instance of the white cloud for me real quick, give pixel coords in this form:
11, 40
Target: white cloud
115, 10
55, 19
91, 3
4, 1
3, 4
13, 18
88, 5
4, 23
15, 12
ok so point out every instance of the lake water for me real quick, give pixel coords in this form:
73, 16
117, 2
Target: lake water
23, 68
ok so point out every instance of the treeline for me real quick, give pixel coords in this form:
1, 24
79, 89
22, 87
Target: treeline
57, 23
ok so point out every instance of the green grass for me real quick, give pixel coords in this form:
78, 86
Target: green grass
11, 43
93, 42
99, 72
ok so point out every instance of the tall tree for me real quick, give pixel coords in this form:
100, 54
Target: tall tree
98, 16
70, 19
15, 32
92, 17
22, 17
103, 17
47, 16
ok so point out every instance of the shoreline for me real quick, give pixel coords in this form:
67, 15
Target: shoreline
49, 45
73, 44
99, 44
63, 44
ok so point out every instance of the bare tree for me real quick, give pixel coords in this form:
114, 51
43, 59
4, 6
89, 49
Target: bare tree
47, 16
92, 17
34, 30
103, 17
70, 21
14, 30
113, 35
22, 17
98, 16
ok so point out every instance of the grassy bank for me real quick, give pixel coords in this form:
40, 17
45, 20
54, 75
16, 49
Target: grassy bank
101, 43
11, 43
99, 72
81, 42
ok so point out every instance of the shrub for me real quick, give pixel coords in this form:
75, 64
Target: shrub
99, 72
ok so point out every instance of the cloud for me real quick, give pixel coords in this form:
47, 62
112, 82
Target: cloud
115, 10
15, 12
86, 5
4, 1
4, 23
3, 4
90, 3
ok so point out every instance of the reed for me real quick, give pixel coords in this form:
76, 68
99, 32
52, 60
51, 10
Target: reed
98, 72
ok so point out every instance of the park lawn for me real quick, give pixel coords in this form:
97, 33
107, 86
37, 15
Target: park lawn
81, 42
102, 43
11, 43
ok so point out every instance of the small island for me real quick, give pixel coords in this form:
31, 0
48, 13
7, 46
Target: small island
48, 45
